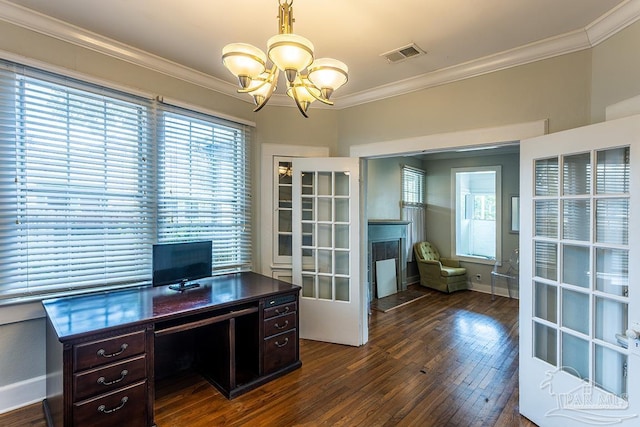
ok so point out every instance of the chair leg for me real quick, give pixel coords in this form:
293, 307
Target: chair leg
493, 285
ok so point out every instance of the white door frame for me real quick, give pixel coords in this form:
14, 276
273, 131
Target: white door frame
464, 140
474, 138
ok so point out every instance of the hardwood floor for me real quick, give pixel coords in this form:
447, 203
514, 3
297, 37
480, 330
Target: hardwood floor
444, 360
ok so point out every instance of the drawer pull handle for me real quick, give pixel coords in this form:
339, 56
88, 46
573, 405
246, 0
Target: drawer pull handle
286, 323
104, 409
286, 310
285, 342
103, 381
103, 353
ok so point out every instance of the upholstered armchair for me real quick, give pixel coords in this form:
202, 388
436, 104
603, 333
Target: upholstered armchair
436, 272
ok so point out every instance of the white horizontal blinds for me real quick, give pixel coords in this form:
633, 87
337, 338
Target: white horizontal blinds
10, 277
204, 190
413, 205
547, 214
413, 186
612, 187
80, 213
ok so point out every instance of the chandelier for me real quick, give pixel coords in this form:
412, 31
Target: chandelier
293, 55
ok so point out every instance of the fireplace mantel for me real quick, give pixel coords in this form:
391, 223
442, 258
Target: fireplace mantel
387, 229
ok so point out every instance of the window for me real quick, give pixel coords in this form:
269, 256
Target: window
204, 185
477, 215
87, 186
413, 185
413, 205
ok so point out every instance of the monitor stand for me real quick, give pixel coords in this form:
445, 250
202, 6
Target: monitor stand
183, 286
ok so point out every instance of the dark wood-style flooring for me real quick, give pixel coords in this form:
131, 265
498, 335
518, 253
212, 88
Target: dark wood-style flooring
443, 360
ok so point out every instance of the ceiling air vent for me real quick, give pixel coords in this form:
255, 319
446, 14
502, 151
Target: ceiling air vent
403, 53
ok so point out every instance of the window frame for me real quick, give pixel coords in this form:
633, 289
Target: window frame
457, 214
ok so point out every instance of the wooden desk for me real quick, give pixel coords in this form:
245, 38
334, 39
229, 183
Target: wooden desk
105, 350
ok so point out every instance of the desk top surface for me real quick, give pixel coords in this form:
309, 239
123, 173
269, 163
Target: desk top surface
76, 315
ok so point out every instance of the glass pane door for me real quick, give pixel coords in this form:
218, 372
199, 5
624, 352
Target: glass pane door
284, 210
579, 211
580, 241
325, 231
326, 260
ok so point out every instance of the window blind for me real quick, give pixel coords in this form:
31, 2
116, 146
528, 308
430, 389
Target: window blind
413, 185
413, 206
91, 177
204, 187
79, 212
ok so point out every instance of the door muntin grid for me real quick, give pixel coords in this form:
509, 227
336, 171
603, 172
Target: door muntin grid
580, 250
283, 222
326, 252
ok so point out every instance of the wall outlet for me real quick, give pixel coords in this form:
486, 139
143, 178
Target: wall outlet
478, 277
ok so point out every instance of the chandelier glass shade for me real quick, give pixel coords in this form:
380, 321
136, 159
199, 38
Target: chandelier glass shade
307, 79
290, 51
243, 59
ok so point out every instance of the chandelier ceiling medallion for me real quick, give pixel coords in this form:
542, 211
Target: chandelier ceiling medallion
293, 55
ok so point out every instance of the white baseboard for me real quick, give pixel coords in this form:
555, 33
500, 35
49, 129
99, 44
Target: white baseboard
22, 393
500, 290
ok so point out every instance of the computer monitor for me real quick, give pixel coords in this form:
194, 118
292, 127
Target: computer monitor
178, 264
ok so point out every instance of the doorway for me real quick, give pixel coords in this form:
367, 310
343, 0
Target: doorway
438, 154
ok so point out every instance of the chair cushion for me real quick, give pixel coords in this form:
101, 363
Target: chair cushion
452, 271
428, 252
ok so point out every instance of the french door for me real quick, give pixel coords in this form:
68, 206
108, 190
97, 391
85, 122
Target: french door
326, 249
579, 276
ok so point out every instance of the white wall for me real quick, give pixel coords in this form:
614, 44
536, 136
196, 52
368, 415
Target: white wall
615, 71
384, 191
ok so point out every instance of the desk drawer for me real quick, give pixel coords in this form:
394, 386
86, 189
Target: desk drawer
280, 351
125, 407
280, 310
277, 325
108, 350
108, 378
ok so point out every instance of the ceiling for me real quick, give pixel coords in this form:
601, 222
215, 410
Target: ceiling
462, 38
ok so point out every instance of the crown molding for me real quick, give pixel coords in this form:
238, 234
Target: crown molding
615, 20
604, 27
